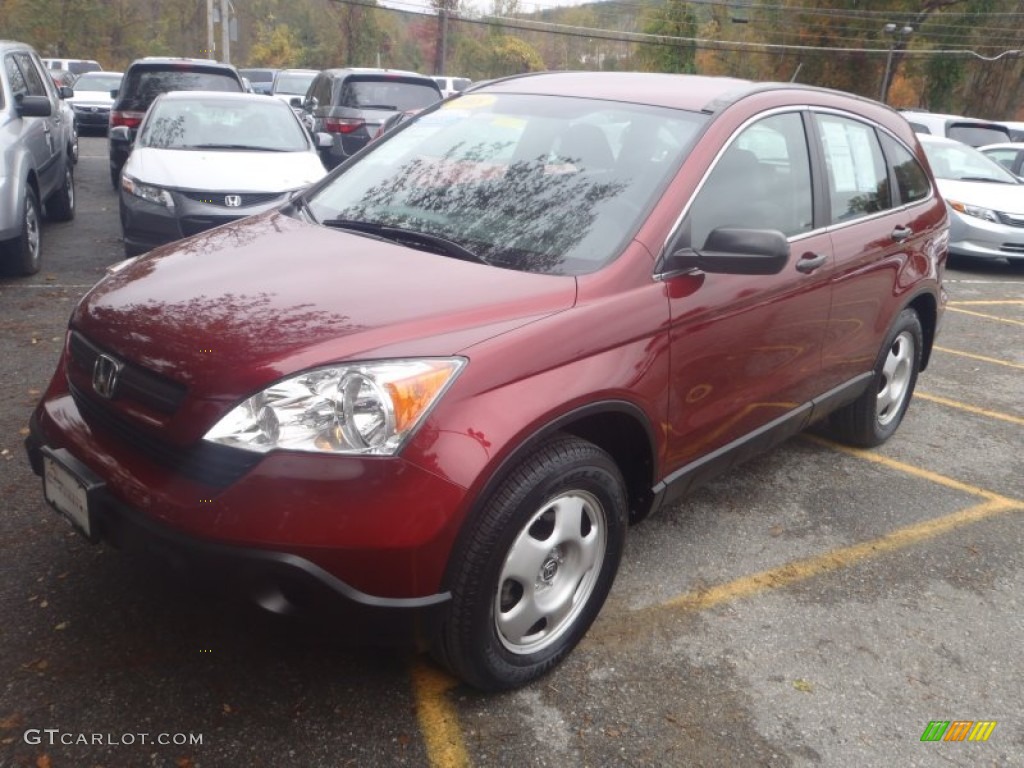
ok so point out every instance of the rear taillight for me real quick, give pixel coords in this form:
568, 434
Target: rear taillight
343, 124
129, 119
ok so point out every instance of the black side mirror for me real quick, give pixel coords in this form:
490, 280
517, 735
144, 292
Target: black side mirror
733, 251
32, 106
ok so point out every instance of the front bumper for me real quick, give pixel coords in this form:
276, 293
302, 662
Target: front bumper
293, 570
146, 225
979, 238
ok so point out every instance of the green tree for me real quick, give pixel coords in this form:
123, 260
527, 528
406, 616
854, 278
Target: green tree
674, 51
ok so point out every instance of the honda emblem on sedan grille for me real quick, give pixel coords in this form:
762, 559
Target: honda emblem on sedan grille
104, 376
232, 201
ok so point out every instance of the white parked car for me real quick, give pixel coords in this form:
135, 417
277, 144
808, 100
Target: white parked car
202, 159
92, 99
986, 201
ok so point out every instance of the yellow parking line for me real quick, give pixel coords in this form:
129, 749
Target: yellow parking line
982, 358
438, 719
801, 570
914, 471
970, 408
987, 317
987, 303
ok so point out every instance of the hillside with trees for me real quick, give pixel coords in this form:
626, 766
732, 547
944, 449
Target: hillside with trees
964, 56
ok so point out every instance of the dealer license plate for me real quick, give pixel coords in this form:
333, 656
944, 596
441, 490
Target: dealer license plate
68, 487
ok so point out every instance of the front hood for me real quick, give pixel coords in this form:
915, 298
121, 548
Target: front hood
224, 171
233, 309
1008, 198
92, 98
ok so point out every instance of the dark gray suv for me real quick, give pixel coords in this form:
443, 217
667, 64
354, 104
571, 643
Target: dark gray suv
36, 156
352, 104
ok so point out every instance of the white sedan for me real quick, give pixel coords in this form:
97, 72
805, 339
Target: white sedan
202, 159
986, 201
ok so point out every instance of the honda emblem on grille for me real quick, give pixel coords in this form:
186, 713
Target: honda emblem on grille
232, 201
104, 376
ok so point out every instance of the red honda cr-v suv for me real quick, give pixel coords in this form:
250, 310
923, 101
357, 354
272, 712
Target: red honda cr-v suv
439, 383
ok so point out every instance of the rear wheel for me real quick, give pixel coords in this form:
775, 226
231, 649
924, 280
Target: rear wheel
875, 416
537, 566
61, 205
23, 252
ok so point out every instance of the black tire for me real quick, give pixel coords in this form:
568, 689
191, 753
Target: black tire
115, 178
559, 519
875, 416
61, 205
23, 253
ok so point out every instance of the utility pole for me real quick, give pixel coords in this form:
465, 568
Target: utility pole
225, 30
210, 44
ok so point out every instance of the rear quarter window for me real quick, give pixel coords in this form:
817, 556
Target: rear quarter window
911, 180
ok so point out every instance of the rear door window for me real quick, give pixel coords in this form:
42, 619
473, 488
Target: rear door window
858, 182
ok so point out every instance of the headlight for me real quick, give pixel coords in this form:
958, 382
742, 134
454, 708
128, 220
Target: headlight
362, 408
974, 210
146, 192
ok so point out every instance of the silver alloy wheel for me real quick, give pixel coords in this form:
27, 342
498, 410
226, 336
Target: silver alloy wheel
550, 572
897, 373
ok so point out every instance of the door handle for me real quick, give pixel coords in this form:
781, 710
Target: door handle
810, 262
902, 233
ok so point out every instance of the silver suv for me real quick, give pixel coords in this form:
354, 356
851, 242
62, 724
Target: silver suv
36, 156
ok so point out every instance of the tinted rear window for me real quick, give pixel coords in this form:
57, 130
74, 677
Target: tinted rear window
385, 93
141, 86
977, 135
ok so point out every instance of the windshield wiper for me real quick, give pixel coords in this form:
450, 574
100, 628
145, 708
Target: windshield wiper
248, 147
984, 178
410, 237
392, 107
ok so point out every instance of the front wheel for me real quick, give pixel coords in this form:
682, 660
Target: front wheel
535, 569
61, 206
24, 252
873, 417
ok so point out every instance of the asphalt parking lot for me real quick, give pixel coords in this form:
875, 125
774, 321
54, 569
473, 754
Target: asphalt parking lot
819, 606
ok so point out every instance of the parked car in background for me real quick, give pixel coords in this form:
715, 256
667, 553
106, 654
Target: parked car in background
61, 77
75, 66
438, 384
36, 157
290, 85
1009, 155
986, 202
261, 78
202, 159
92, 100
967, 130
452, 85
352, 105
144, 80
1016, 130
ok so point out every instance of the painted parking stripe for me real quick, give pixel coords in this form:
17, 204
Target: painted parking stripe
970, 408
986, 303
986, 316
982, 358
438, 718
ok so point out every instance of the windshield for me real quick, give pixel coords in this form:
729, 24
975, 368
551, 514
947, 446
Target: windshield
98, 81
210, 123
294, 84
958, 162
534, 183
